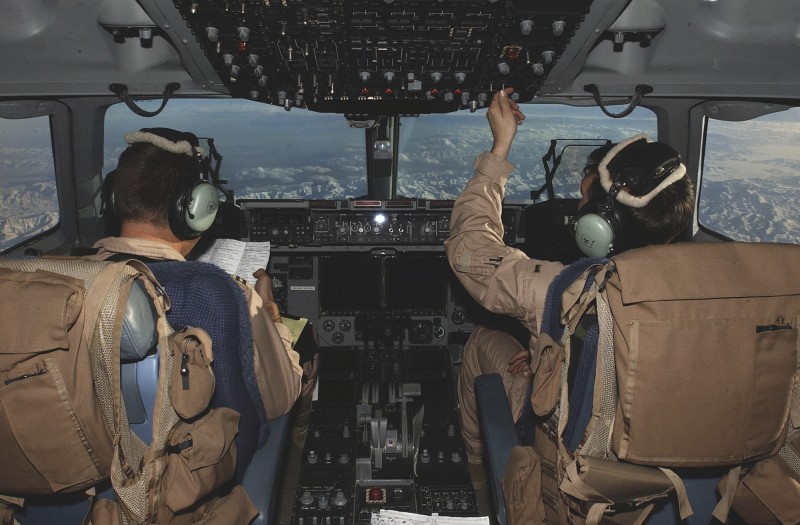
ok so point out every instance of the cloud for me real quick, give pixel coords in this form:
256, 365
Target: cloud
277, 175
316, 169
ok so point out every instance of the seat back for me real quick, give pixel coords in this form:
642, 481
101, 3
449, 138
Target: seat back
225, 315
204, 296
718, 319
695, 387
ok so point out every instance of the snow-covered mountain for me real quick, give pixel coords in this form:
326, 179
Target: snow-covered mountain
27, 210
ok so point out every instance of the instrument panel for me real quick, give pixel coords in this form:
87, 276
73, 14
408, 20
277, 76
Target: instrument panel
368, 272
357, 222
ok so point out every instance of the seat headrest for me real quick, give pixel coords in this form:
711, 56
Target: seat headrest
139, 330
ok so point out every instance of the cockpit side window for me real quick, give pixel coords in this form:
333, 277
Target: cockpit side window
437, 151
750, 189
28, 197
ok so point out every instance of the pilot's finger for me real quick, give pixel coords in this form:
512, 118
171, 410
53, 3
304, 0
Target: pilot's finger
503, 101
521, 368
521, 355
507, 105
263, 285
517, 368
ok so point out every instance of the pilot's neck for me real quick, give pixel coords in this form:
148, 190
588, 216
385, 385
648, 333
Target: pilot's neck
156, 233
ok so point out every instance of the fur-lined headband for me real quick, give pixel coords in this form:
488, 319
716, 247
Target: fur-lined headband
180, 147
627, 198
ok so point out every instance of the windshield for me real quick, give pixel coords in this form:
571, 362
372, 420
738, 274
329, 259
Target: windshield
270, 153
437, 151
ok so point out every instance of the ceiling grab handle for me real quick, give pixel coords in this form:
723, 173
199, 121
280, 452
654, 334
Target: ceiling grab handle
641, 91
121, 90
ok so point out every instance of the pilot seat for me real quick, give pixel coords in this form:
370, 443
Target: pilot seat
707, 335
202, 296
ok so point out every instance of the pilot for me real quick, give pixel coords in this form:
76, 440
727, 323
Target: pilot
157, 171
641, 183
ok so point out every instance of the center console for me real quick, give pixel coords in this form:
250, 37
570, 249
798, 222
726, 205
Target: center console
373, 279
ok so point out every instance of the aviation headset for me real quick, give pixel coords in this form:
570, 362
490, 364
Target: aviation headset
193, 204
642, 166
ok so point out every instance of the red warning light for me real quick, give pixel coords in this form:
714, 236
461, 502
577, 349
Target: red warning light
388, 92
365, 91
244, 47
375, 495
434, 92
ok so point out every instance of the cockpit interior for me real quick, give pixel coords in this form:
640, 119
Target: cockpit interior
341, 131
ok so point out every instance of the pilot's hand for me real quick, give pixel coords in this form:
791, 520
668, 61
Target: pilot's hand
520, 363
264, 290
504, 116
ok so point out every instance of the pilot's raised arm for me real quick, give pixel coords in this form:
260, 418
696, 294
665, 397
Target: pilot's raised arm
502, 279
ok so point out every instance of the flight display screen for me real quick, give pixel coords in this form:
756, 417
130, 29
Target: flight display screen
351, 284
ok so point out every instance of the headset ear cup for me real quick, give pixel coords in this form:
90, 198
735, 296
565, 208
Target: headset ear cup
193, 208
203, 207
594, 235
596, 227
107, 210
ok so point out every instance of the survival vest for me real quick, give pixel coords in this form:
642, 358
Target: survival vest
63, 422
695, 368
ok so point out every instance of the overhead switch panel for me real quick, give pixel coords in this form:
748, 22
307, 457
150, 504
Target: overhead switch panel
382, 57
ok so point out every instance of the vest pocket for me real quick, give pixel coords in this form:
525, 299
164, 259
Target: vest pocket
704, 392
772, 392
202, 457
45, 447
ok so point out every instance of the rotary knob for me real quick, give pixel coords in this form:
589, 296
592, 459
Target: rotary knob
339, 500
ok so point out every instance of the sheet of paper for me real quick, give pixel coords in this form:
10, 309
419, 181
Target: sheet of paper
394, 517
238, 257
295, 326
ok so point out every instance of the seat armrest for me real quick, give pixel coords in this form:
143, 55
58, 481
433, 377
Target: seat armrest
499, 435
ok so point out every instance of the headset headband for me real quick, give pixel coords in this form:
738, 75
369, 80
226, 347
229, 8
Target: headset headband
672, 169
151, 136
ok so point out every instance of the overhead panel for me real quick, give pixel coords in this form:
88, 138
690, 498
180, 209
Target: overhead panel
382, 57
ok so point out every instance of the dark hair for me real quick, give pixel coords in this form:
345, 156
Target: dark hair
145, 180
597, 154
668, 214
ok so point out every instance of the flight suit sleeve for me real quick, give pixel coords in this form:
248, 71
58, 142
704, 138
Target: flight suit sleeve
277, 365
500, 278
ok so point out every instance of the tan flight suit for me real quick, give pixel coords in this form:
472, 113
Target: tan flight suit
271, 341
501, 279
